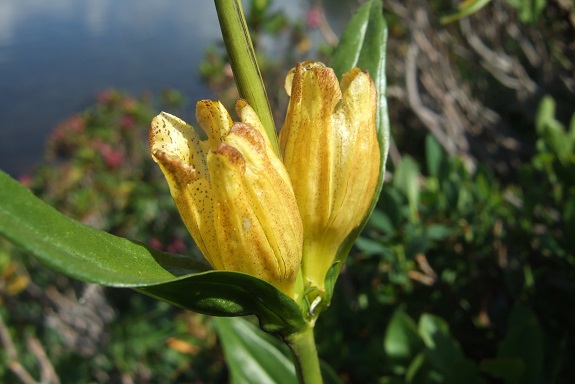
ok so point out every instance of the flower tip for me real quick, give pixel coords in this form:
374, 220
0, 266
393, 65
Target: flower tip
227, 156
240, 105
214, 119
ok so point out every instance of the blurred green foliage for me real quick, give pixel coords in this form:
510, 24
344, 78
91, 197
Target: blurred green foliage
529, 10
98, 171
458, 277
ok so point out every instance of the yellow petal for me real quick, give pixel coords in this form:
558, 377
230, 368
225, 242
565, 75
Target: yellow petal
214, 119
233, 192
358, 167
306, 143
254, 236
329, 146
247, 115
268, 183
176, 147
172, 136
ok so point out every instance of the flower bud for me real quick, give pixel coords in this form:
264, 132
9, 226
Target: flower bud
232, 191
330, 149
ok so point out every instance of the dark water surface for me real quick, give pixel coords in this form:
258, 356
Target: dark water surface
56, 55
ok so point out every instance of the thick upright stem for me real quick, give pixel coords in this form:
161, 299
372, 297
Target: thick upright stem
302, 345
243, 62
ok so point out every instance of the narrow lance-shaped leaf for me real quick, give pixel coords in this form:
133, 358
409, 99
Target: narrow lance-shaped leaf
91, 255
464, 9
253, 356
80, 251
225, 293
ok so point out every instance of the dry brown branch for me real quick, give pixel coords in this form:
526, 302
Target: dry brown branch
503, 67
324, 28
429, 118
80, 322
47, 372
427, 276
471, 83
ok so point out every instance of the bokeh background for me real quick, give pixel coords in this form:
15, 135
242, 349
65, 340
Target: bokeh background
466, 271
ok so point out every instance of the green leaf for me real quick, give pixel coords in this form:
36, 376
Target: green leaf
363, 45
252, 355
406, 179
437, 231
328, 374
464, 9
529, 10
524, 340
442, 350
225, 293
91, 255
381, 221
508, 369
420, 371
402, 342
415, 245
370, 246
434, 156
464, 371
80, 251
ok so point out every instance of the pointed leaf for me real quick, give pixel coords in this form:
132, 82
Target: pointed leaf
406, 180
80, 251
402, 342
252, 355
524, 340
435, 157
464, 9
91, 255
442, 349
225, 293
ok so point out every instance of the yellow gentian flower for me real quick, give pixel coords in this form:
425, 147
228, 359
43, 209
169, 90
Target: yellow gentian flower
232, 191
330, 149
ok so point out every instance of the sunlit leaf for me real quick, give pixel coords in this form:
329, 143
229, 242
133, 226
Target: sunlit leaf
224, 293
80, 251
91, 255
253, 356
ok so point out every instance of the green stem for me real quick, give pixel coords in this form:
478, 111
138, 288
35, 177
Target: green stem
302, 345
243, 62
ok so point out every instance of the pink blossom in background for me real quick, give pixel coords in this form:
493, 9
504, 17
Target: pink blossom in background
75, 124
155, 243
228, 70
313, 17
177, 246
129, 104
25, 180
113, 158
104, 97
127, 122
